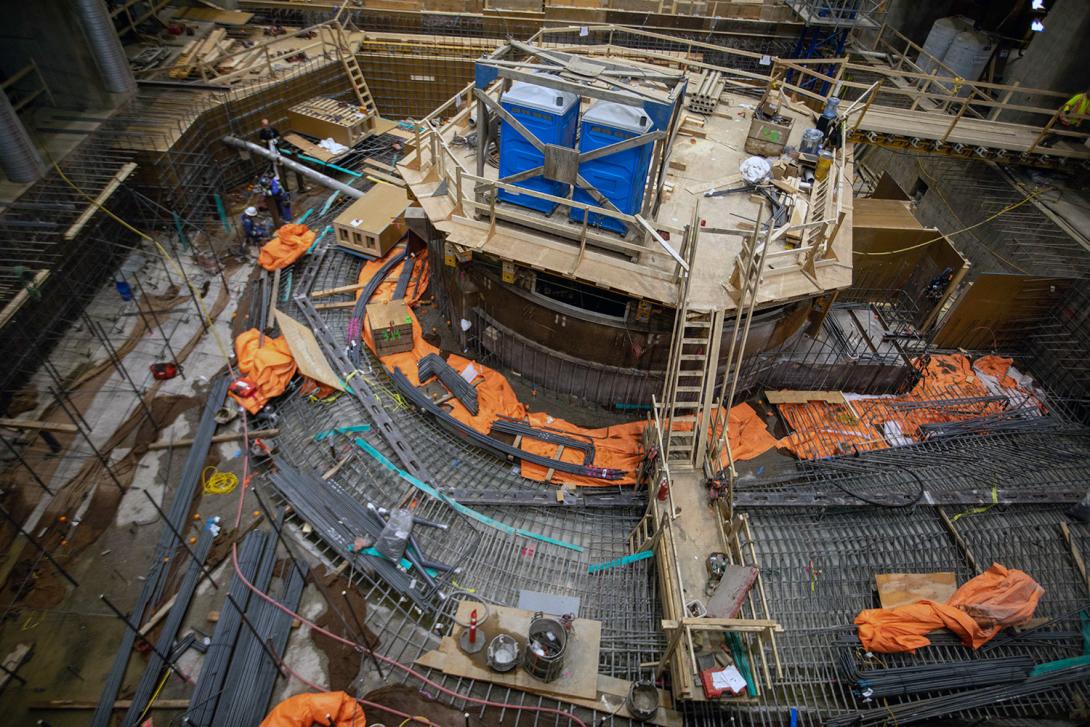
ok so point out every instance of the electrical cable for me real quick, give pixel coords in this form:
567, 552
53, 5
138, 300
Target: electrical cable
1028, 198
888, 505
220, 483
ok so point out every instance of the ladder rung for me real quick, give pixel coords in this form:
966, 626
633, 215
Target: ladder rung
689, 389
693, 357
686, 405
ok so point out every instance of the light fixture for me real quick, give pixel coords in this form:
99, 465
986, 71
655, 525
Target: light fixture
1036, 26
1038, 5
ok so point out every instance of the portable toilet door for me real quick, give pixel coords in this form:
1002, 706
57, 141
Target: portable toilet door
550, 115
620, 177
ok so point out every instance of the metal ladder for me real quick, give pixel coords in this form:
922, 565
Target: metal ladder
689, 390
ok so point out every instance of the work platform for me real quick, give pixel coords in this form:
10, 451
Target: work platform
809, 254
898, 104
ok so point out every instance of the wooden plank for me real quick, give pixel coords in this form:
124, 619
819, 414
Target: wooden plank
111, 186
304, 348
726, 601
38, 425
609, 696
308, 148
1076, 555
377, 175
791, 396
901, 589
13, 661
219, 438
72, 704
578, 679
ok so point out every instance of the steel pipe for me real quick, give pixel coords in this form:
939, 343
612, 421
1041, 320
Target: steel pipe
293, 165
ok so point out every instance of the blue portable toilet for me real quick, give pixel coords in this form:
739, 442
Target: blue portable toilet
621, 177
550, 115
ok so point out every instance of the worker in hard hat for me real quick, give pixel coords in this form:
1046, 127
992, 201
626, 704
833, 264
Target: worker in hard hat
1072, 115
252, 229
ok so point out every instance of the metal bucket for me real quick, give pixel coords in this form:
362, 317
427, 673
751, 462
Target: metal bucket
503, 653
546, 644
643, 700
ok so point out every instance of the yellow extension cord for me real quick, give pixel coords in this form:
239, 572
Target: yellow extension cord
220, 483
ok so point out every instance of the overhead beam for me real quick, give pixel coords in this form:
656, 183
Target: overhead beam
111, 187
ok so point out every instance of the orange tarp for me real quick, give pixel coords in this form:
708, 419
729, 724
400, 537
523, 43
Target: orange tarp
269, 367
615, 447
305, 710
290, 243
823, 429
976, 612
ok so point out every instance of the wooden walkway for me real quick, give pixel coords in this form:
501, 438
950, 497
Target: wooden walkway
892, 124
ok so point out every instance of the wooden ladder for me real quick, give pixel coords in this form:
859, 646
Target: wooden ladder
688, 393
355, 73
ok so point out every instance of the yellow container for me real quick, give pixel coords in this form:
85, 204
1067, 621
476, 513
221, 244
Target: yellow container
824, 163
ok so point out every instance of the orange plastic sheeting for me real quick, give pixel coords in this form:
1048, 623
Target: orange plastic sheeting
290, 243
996, 366
305, 710
748, 436
386, 288
976, 612
269, 367
823, 429
615, 447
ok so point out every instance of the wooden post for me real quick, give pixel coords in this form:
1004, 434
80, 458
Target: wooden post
961, 112
866, 107
458, 210
1044, 132
994, 116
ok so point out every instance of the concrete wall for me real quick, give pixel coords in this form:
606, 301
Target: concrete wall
49, 32
1056, 59
913, 18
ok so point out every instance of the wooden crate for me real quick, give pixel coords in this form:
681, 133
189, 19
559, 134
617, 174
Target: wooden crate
373, 223
391, 327
767, 138
326, 118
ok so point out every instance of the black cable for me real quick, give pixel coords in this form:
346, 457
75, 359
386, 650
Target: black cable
890, 505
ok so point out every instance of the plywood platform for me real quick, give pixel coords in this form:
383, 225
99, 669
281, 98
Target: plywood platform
705, 157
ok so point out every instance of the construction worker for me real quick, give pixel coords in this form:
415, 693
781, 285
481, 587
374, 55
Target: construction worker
272, 191
252, 230
270, 135
1071, 115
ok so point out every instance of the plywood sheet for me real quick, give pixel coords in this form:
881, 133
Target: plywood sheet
579, 678
995, 310
304, 347
885, 214
607, 693
901, 589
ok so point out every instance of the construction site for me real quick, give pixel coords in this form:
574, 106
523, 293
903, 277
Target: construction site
580, 363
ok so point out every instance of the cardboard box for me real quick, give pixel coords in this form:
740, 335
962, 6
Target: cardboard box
767, 138
391, 327
326, 118
373, 223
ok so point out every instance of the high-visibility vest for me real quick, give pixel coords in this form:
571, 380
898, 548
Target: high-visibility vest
1078, 104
